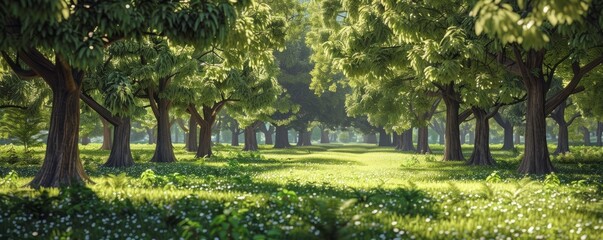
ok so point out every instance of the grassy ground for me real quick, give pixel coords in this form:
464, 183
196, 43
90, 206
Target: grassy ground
320, 192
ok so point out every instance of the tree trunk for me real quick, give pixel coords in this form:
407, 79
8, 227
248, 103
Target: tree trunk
370, 138
191, 142
517, 137
463, 137
324, 136
385, 140
164, 151
281, 137
452, 144
396, 140
508, 132
121, 155
151, 134
62, 165
536, 158
481, 148
106, 135
471, 137
405, 141
304, 138
599, 133
251, 143
422, 142
234, 141
585, 135
563, 137
85, 140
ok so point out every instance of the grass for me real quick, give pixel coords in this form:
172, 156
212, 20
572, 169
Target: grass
329, 191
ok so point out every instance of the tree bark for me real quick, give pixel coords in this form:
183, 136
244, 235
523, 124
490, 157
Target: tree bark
423, 141
536, 158
234, 141
585, 135
281, 137
268, 132
121, 154
85, 140
452, 144
304, 138
151, 134
251, 143
164, 151
106, 135
396, 140
324, 136
405, 141
563, 137
191, 141
62, 165
517, 137
204, 148
508, 132
370, 138
481, 148
385, 140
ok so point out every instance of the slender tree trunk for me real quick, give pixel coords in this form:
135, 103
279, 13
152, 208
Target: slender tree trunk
508, 132
463, 137
385, 140
405, 141
471, 137
370, 138
517, 137
191, 142
281, 137
536, 158
234, 141
268, 136
452, 144
121, 155
563, 139
151, 134
423, 143
585, 135
599, 133
251, 143
62, 165
164, 151
106, 135
481, 148
85, 140
324, 136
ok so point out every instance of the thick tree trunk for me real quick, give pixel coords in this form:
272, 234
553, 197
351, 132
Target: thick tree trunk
585, 135
536, 158
191, 142
481, 149
370, 138
106, 135
423, 141
85, 140
121, 155
324, 136
204, 148
268, 132
508, 132
396, 140
599, 133
303, 138
281, 137
62, 165
251, 143
164, 151
385, 140
405, 141
452, 144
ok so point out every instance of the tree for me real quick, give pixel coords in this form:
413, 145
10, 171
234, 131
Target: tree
525, 32
59, 42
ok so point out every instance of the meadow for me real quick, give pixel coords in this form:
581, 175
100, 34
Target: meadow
330, 191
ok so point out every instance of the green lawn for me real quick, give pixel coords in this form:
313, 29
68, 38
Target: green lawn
320, 192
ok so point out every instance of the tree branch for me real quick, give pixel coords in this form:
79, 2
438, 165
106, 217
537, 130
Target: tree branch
18, 70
